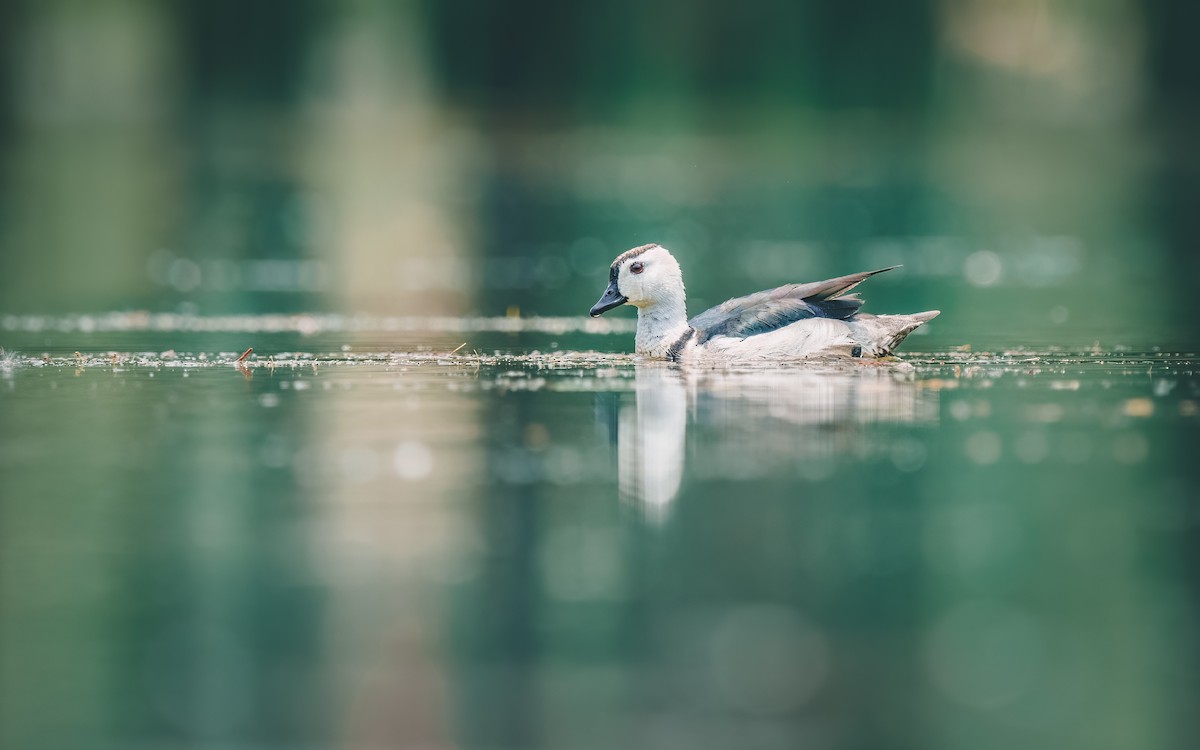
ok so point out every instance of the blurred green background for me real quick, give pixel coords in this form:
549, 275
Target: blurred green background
1032, 163
984, 551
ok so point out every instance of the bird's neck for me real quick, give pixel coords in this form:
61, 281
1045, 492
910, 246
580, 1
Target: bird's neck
660, 325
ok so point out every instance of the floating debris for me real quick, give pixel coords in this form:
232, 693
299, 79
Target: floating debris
936, 371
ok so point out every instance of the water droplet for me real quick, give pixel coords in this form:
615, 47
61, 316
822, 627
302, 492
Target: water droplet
983, 268
1138, 407
984, 447
412, 460
960, 410
1032, 447
184, 275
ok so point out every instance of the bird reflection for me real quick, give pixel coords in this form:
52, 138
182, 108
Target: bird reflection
763, 422
650, 439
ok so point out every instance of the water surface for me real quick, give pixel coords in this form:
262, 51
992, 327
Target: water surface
368, 535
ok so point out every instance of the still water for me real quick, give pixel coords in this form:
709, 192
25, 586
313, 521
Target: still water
369, 536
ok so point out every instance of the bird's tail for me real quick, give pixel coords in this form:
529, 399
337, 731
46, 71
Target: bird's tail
895, 328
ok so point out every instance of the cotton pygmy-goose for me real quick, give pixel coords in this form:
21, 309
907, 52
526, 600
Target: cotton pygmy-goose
795, 321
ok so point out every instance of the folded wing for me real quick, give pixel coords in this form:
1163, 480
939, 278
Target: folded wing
776, 308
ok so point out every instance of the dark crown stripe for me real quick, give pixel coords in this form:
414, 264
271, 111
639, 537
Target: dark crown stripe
615, 269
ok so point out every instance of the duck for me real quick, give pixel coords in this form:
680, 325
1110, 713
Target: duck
792, 322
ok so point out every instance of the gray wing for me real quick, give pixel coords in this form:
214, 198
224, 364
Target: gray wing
776, 308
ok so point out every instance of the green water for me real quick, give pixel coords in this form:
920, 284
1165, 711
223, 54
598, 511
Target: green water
345, 545
417, 516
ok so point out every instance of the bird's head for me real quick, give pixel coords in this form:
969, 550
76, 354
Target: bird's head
643, 276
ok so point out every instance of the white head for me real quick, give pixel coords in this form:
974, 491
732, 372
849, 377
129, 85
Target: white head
644, 277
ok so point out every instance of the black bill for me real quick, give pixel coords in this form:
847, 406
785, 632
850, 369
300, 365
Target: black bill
612, 298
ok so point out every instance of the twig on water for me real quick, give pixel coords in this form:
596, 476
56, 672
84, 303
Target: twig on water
460, 346
245, 354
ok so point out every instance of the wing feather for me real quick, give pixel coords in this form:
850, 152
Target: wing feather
776, 308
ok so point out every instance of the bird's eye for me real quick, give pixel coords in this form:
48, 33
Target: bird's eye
637, 267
